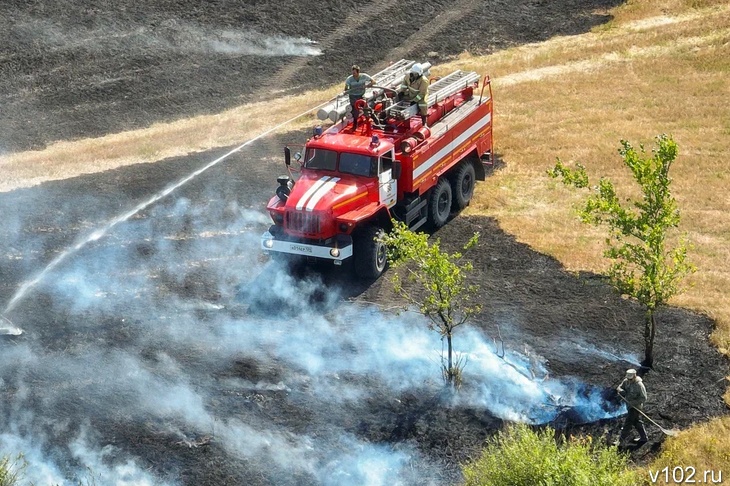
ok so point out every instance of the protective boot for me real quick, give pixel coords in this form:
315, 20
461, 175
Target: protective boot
424, 120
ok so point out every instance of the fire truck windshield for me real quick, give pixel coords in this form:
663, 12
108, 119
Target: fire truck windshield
361, 165
320, 159
355, 164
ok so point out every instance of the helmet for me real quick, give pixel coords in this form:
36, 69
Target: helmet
417, 69
631, 374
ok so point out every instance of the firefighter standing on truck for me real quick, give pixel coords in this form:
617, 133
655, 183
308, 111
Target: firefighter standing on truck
355, 85
415, 90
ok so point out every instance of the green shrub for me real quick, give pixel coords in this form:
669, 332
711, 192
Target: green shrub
519, 456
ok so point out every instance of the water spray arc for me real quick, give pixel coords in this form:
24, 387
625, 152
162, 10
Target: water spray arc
99, 233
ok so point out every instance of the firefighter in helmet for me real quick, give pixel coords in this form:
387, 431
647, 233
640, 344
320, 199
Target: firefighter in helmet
415, 90
355, 85
632, 391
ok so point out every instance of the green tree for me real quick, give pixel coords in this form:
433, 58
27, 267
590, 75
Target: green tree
520, 456
644, 265
441, 291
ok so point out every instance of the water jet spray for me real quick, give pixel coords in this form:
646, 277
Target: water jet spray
99, 233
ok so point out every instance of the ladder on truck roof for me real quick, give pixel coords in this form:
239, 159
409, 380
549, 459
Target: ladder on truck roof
449, 85
393, 73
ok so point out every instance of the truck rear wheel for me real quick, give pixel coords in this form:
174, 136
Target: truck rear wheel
439, 204
370, 256
462, 184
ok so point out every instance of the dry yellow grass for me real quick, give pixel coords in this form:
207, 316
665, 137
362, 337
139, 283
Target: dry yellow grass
68, 159
704, 447
658, 66
575, 98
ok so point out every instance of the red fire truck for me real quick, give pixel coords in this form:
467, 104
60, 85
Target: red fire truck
352, 182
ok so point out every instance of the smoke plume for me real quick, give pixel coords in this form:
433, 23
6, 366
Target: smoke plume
170, 35
140, 337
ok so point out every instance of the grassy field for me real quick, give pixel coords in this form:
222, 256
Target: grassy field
660, 66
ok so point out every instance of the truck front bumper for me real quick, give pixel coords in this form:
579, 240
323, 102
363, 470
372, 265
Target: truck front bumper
340, 249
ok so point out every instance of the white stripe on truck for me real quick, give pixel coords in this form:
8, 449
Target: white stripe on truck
324, 189
310, 191
450, 147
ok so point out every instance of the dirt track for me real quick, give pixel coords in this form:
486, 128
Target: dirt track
171, 342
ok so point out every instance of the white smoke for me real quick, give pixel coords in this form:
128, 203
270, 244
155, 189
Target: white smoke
152, 314
251, 43
171, 36
586, 349
41, 469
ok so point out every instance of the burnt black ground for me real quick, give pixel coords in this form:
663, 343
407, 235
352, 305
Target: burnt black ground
532, 299
195, 248
78, 69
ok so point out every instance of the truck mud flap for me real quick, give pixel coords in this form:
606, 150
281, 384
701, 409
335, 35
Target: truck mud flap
482, 165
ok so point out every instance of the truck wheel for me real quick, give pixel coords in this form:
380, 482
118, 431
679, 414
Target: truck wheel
462, 185
439, 204
370, 256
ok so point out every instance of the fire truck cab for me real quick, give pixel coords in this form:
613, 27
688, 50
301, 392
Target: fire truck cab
353, 181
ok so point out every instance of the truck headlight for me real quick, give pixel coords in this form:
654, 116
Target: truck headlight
269, 243
335, 252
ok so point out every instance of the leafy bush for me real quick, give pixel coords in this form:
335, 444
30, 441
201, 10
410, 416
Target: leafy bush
520, 456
